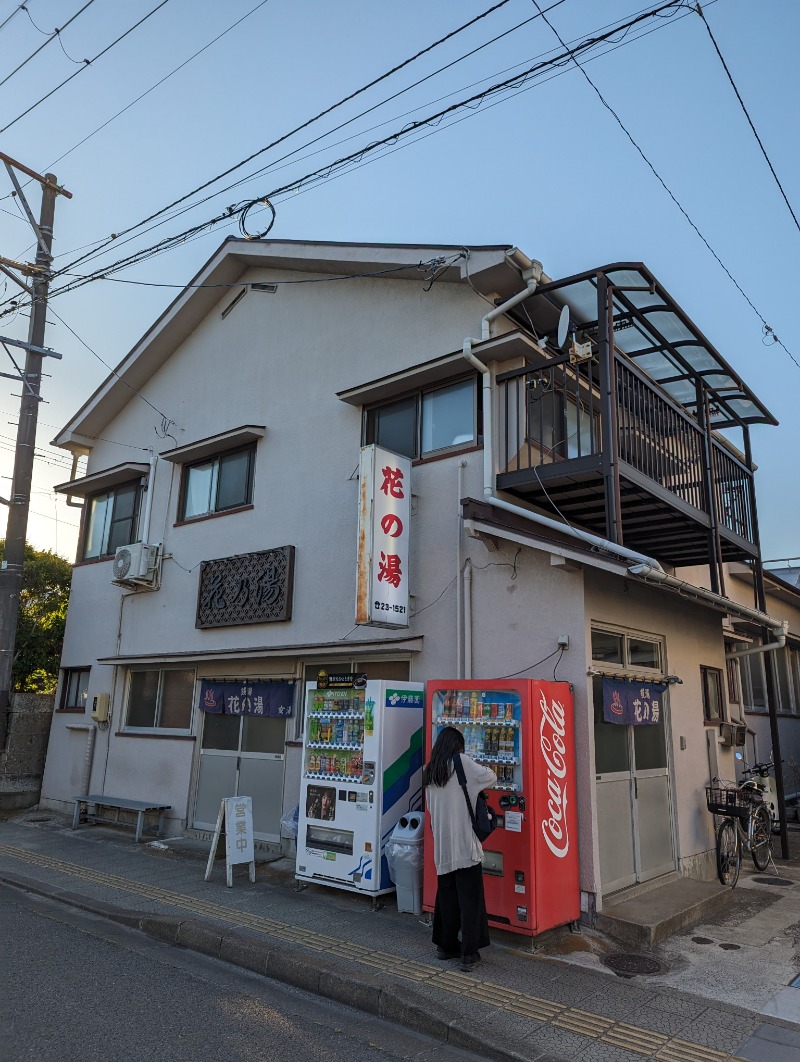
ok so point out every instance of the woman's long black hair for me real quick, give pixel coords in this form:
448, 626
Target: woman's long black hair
438, 770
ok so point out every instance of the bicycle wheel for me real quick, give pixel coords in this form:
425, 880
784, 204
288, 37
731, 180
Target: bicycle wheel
759, 837
729, 857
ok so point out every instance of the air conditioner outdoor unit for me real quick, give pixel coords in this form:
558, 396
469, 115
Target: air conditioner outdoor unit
136, 565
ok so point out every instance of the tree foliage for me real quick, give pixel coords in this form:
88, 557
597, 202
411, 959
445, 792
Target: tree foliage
46, 580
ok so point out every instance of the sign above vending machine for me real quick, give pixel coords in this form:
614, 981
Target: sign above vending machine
384, 518
351, 680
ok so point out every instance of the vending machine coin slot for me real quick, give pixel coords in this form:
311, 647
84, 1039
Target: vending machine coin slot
493, 863
519, 877
522, 914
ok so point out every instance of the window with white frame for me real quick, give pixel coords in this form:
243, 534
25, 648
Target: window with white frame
160, 699
754, 682
785, 670
632, 651
112, 519
218, 484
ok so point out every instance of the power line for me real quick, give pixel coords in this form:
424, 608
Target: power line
51, 38
767, 329
165, 419
152, 88
86, 63
99, 246
747, 116
304, 125
276, 164
329, 169
16, 11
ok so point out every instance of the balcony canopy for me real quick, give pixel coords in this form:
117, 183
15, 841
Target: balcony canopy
654, 332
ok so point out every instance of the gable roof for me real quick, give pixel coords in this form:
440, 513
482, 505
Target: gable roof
490, 269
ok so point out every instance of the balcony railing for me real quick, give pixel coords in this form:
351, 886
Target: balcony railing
552, 415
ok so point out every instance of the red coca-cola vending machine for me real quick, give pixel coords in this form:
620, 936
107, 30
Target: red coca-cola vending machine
524, 731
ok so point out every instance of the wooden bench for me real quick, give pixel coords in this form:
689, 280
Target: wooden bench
139, 807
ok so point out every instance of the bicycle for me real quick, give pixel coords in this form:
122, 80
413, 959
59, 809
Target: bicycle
763, 782
746, 822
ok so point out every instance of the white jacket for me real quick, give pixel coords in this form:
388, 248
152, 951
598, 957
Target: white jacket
454, 842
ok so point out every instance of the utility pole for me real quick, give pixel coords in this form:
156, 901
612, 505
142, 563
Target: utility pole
31, 377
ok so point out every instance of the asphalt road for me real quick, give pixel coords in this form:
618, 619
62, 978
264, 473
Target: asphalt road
75, 987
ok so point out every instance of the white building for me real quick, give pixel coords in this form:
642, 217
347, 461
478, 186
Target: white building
556, 489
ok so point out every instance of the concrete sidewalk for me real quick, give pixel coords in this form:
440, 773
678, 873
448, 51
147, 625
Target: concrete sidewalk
704, 1002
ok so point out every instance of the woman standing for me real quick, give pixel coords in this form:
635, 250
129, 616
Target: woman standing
457, 853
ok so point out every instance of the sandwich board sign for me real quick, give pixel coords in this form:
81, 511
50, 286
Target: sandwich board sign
236, 815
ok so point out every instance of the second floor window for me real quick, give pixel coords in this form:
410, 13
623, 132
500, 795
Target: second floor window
111, 520
217, 484
429, 422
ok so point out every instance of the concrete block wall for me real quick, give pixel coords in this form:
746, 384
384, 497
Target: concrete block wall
22, 760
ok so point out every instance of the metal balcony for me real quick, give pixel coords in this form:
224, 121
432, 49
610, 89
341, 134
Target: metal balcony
624, 444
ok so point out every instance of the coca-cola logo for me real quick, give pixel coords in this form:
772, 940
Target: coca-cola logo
552, 729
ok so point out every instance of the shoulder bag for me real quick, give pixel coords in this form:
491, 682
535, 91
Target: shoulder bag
484, 820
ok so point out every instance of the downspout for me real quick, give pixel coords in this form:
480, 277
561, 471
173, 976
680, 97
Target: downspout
73, 472
459, 576
531, 275
778, 644
468, 621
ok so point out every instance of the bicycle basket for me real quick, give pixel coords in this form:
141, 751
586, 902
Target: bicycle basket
721, 800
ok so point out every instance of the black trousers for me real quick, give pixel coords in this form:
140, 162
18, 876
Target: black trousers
460, 906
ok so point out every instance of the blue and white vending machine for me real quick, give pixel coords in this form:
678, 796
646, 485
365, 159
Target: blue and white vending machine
362, 771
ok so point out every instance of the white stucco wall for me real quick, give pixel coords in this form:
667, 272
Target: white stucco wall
278, 360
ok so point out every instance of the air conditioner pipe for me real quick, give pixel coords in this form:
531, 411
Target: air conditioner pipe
148, 505
532, 275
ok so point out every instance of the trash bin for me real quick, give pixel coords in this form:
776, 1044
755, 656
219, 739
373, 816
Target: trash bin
405, 858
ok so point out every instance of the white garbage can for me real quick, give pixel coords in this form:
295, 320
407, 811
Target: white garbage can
404, 854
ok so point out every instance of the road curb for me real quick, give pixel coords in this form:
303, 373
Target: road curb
373, 994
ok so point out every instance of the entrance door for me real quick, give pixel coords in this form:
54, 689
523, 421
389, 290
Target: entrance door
634, 806
241, 756
632, 776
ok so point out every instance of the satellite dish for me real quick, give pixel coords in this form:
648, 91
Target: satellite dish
563, 326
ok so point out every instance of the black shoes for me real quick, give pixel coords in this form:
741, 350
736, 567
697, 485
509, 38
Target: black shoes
442, 953
469, 962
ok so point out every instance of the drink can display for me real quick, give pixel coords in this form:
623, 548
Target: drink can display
509, 711
493, 710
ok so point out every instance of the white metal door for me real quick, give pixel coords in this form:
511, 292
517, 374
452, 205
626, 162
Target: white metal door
241, 756
634, 800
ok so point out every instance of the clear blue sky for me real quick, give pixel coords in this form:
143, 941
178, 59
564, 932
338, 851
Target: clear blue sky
547, 169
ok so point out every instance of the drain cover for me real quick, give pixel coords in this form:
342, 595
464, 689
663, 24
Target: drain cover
702, 940
731, 947
38, 818
630, 965
772, 881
